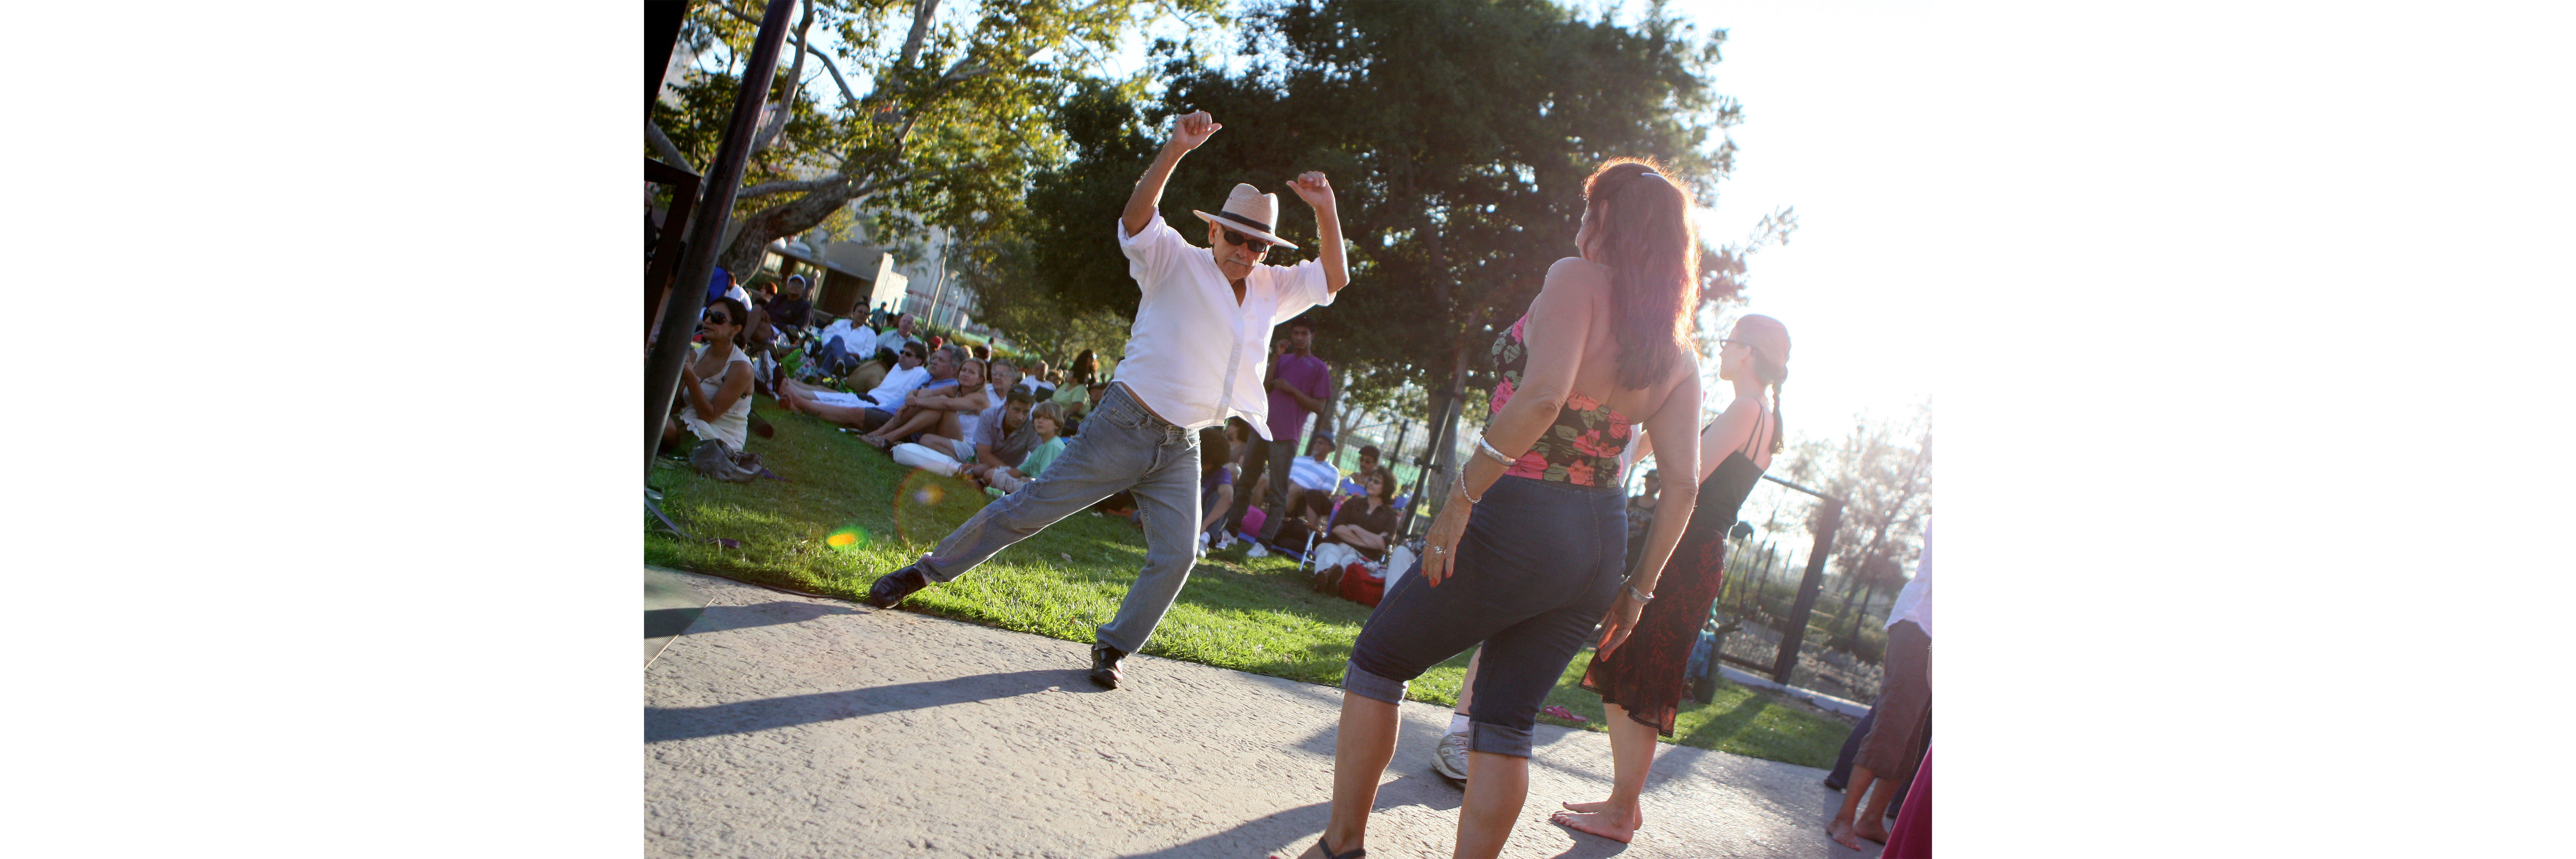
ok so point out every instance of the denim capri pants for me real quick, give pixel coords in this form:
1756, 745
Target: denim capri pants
1538, 565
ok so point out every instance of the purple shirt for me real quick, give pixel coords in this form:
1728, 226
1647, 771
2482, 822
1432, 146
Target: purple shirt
1305, 373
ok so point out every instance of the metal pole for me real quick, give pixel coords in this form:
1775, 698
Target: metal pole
706, 229
1796, 634
1423, 464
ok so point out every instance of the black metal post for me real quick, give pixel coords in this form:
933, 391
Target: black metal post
706, 228
1423, 464
1796, 634
667, 249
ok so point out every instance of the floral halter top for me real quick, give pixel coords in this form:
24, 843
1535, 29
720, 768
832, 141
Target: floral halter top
1582, 447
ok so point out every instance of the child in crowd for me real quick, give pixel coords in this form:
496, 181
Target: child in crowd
1049, 417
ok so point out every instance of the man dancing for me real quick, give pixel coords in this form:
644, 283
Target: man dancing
1194, 357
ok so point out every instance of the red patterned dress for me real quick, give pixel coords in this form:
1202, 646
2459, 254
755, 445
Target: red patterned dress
1644, 675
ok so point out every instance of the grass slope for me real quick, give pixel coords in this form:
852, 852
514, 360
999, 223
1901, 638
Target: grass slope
847, 514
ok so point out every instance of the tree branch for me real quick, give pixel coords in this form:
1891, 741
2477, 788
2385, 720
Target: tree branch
920, 28
768, 189
768, 136
663, 146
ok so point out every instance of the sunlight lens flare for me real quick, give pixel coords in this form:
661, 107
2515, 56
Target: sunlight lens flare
850, 538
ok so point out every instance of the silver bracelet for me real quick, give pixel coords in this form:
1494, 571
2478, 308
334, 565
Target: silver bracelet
1642, 598
1462, 491
1488, 448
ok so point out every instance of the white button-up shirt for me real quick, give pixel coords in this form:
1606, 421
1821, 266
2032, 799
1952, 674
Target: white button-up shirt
1195, 357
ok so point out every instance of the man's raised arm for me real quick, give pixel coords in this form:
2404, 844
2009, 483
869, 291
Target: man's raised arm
1187, 133
1318, 192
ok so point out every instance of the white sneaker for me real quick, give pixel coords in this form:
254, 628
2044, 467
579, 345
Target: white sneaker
1449, 759
1257, 552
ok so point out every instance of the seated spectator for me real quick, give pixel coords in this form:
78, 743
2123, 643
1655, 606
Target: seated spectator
873, 373
844, 344
1312, 478
1003, 444
936, 408
872, 409
1075, 391
1041, 382
784, 316
1365, 524
899, 332
1047, 419
715, 383
1350, 486
1349, 561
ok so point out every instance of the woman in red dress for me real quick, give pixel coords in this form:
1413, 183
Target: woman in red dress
1640, 681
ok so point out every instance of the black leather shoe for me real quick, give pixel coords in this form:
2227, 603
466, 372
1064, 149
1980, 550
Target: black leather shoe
1104, 665
892, 587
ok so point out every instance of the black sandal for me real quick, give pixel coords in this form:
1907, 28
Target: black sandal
1356, 852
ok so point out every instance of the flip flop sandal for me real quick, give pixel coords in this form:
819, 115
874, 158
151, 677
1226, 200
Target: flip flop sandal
1560, 712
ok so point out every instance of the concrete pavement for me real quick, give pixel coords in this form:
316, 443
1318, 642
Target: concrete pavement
781, 725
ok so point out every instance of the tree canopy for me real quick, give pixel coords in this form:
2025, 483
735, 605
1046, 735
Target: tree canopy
1458, 137
933, 120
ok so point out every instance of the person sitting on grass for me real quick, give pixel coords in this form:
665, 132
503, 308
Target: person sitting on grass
1002, 444
715, 383
862, 411
943, 410
1047, 420
873, 372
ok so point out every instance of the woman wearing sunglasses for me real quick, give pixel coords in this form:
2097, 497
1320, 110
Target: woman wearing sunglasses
715, 383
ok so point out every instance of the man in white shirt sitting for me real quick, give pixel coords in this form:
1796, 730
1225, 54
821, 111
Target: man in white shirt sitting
872, 409
1194, 357
845, 344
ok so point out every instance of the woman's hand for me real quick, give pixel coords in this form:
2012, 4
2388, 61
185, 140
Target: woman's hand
1619, 621
1440, 546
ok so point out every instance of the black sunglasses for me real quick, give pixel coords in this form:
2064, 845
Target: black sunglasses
716, 319
1258, 246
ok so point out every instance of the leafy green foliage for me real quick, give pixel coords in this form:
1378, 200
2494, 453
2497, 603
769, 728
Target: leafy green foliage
942, 134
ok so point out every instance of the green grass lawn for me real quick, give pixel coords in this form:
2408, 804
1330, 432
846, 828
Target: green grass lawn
848, 514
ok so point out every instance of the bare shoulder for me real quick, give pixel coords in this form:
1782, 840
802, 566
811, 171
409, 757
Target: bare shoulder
1577, 271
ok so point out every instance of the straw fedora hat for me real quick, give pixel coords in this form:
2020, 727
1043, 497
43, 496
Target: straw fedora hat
1250, 212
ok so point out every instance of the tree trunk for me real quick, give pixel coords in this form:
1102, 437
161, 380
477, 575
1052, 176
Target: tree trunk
743, 257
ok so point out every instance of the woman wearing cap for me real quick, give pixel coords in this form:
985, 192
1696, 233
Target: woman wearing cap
1642, 679
1526, 554
715, 383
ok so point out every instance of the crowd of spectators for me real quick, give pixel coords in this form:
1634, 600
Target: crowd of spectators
964, 410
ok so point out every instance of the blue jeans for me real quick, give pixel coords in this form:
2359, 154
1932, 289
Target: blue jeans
1122, 448
837, 359
1537, 567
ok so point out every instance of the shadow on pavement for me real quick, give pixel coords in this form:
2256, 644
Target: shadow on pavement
665, 724
1304, 819
718, 618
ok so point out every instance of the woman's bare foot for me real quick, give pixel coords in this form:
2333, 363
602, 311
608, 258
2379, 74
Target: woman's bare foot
1872, 830
1841, 832
1586, 807
1608, 823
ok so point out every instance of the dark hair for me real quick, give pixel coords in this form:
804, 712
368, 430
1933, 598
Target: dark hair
1641, 219
1302, 322
741, 318
1385, 484
1086, 367
1019, 395
1368, 451
886, 356
981, 351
